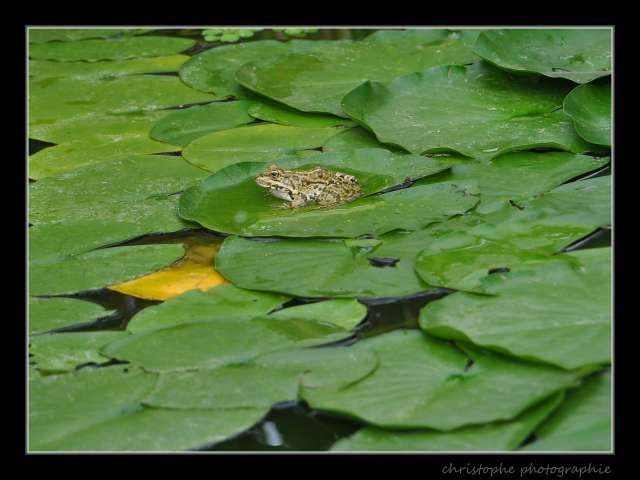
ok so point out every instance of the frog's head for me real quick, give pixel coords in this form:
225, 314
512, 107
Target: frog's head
273, 178
270, 176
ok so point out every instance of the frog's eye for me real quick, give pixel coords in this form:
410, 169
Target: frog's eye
274, 174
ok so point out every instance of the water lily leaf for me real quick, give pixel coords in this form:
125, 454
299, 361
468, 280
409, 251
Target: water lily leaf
111, 418
569, 325
579, 54
55, 99
518, 175
283, 115
460, 259
477, 110
98, 269
183, 126
425, 382
223, 341
346, 313
231, 201
42, 69
85, 141
355, 138
42, 35
496, 436
255, 143
137, 189
194, 271
280, 266
316, 81
223, 302
264, 381
49, 313
583, 422
114, 48
214, 70
104, 393
590, 108
62, 352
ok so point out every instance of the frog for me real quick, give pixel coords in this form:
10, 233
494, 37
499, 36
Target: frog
298, 188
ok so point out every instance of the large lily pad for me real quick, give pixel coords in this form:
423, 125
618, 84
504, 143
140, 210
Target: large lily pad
262, 382
583, 422
224, 341
112, 419
115, 48
41, 69
568, 325
85, 141
62, 352
353, 139
230, 200
49, 313
590, 108
136, 189
54, 99
98, 268
579, 54
223, 302
518, 175
346, 313
183, 126
496, 436
214, 70
317, 81
477, 110
103, 393
254, 143
423, 383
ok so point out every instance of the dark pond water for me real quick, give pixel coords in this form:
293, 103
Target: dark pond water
290, 426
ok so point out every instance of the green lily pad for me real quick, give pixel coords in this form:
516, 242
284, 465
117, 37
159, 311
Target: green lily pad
568, 325
55, 99
114, 48
85, 141
42, 35
346, 313
590, 108
579, 54
112, 419
496, 436
231, 201
254, 143
224, 341
222, 302
62, 352
353, 139
426, 382
49, 313
104, 393
42, 69
137, 189
98, 268
518, 175
283, 115
478, 111
316, 81
583, 422
214, 70
264, 381
183, 126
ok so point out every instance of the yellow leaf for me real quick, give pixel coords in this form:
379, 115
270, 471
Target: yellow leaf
195, 270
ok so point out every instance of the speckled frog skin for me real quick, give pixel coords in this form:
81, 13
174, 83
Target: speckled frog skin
300, 188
